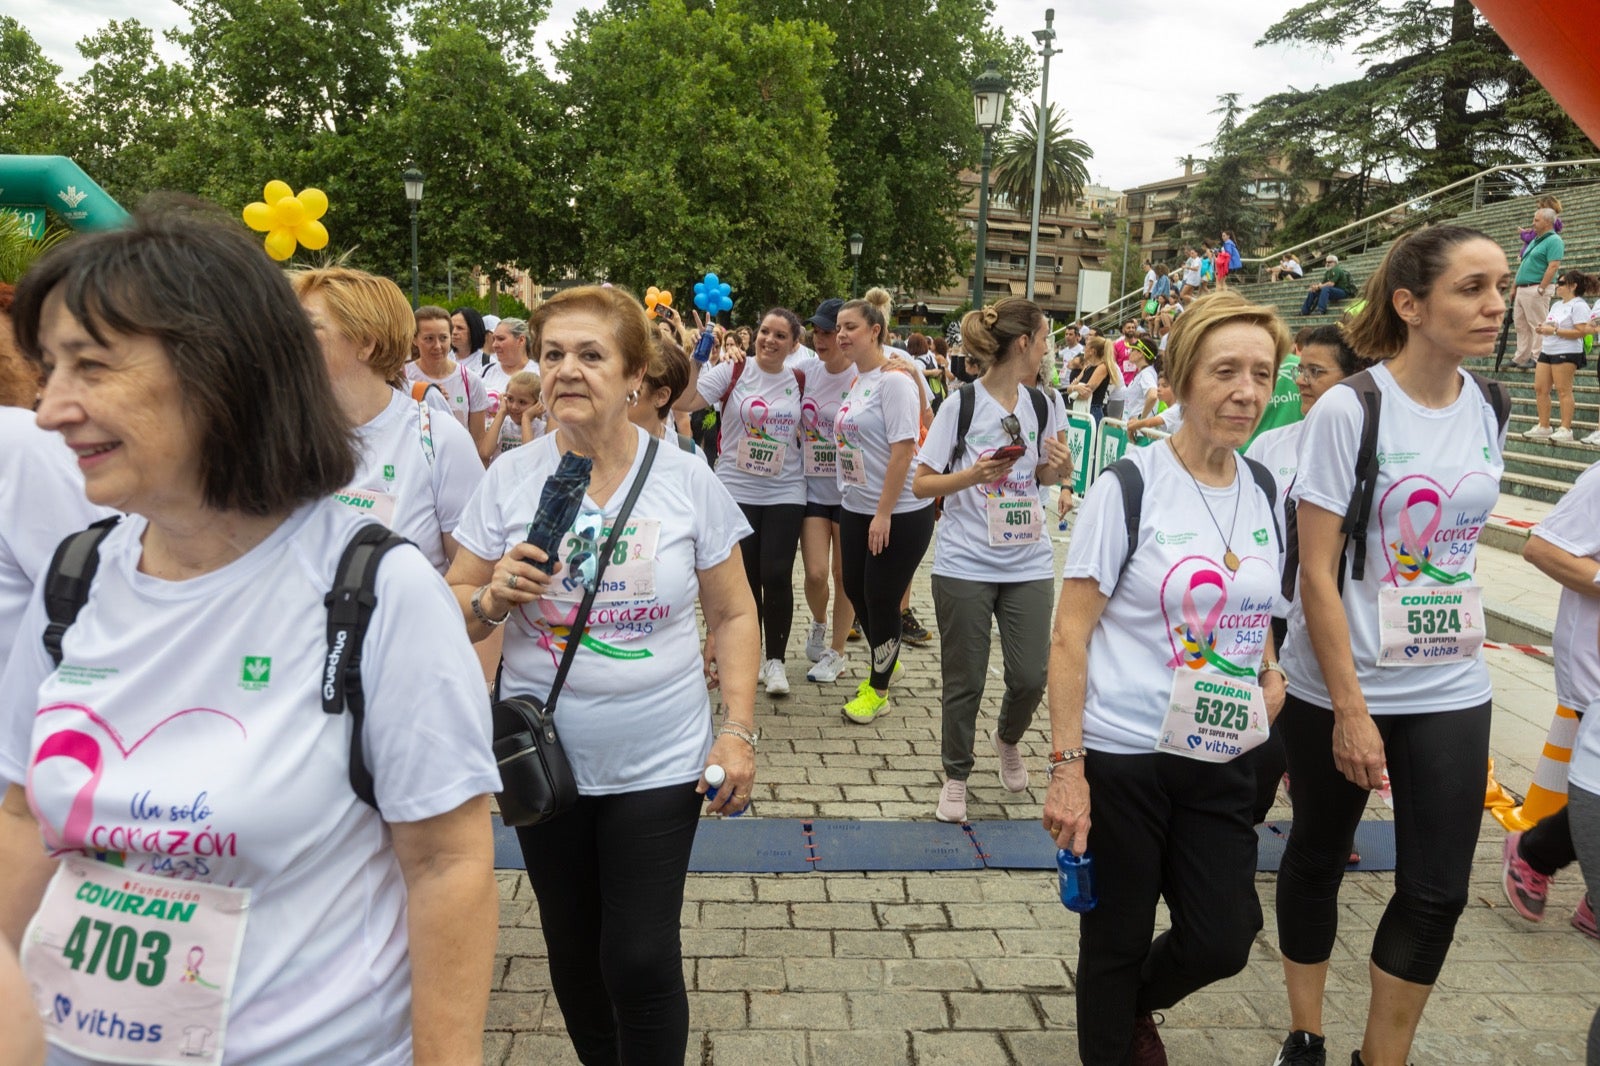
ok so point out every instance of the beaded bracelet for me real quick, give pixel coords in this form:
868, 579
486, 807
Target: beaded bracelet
1070, 755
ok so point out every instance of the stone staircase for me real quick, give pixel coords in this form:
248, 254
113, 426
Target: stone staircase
1535, 469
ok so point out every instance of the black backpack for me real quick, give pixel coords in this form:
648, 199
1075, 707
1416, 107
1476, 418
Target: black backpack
1131, 481
1358, 515
350, 604
967, 403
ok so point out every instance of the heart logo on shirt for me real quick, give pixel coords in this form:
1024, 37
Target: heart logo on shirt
1409, 550
1198, 590
84, 748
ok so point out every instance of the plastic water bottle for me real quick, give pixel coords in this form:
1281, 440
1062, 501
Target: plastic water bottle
1077, 881
715, 776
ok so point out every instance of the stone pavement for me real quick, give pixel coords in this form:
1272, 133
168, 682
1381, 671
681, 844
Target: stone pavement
976, 968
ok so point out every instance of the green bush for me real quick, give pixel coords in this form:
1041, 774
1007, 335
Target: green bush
510, 306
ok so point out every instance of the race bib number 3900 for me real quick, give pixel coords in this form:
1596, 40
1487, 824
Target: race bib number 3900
131, 968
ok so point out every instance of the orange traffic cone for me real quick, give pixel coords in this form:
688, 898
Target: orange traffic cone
1547, 794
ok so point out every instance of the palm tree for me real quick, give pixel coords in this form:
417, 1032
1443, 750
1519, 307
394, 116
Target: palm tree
1065, 163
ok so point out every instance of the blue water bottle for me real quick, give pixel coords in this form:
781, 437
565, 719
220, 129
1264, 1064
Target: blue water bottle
1077, 881
715, 776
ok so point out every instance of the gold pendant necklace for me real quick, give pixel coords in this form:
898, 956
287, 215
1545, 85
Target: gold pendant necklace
1229, 559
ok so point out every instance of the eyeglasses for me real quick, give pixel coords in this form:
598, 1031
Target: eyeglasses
1310, 373
583, 547
1012, 427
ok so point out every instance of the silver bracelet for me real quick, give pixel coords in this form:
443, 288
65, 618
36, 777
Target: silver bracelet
478, 611
734, 729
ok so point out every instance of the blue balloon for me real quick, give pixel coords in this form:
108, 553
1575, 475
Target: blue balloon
712, 281
724, 290
701, 302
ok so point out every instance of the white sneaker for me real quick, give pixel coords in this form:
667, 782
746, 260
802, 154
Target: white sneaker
952, 802
1013, 771
1562, 434
1538, 433
774, 677
817, 641
1593, 438
828, 668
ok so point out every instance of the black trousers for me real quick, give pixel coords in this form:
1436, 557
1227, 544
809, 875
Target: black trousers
768, 555
1436, 766
608, 875
875, 583
1178, 829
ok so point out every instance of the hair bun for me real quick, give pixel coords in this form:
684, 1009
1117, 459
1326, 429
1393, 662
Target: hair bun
990, 315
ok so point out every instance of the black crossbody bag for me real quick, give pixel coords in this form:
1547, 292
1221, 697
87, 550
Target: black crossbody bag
535, 777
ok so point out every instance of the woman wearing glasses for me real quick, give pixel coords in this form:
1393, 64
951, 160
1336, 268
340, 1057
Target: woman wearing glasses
634, 717
992, 562
1325, 360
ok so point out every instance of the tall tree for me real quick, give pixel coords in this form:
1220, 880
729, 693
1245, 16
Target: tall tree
1226, 198
35, 115
129, 109
712, 156
1066, 160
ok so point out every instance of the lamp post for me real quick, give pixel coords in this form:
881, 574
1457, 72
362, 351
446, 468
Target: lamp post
1046, 38
413, 180
988, 104
856, 241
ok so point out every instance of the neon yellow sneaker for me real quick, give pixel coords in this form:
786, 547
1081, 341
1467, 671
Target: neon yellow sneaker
866, 706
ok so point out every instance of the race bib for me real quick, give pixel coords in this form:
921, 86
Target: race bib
852, 466
759, 456
126, 967
631, 574
379, 505
1014, 520
1427, 626
1211, 718
820, 458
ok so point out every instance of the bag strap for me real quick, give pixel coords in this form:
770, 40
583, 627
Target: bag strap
1131, 481
966, 403
1041, 412
733, 379
350, 604
1358, 514
1496, 396
581, 622
66, 583
1269, 488
425, 429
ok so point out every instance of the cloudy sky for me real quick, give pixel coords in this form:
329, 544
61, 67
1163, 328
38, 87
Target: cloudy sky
1138, 122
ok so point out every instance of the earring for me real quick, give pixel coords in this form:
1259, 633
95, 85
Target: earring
633, 398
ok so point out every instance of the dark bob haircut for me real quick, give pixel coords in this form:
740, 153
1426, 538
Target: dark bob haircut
271, 435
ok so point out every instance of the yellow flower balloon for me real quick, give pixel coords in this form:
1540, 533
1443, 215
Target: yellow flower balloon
258, 216
315, 202
312, 234
275, 191
280, 244
288, 220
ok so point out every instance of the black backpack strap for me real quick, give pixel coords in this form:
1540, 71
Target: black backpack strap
1041, 415
1269, 488
350, 605
1496, 396
966, 403
1359, 513
1291, 547
1132, 483
66, 583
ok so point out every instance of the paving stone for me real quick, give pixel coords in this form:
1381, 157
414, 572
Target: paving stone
787, 943
807, 888
739, 975
1030, 973
959, 1049
860, 1047
842, 974
766, 1048
1043, 1048
914, 916
800, 1011
717, 1010
864, 944
866, 889
992, 1010
496, 1046
541, 1049
929, 974
526, 974
907, 1010
834, 916
745, 915
713, 943
515, 1011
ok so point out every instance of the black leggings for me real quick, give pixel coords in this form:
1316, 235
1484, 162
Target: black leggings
875, 583
769, 566
1436, 766
609, 877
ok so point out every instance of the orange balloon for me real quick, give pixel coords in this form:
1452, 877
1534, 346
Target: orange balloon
258, 216
666, 298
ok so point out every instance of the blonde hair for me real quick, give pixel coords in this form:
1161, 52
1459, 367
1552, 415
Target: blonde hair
988, 332
366, 309
879, 297
1206, 314
524, 379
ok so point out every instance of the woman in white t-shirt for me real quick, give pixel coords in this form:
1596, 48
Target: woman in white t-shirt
1161, 679
884, 529
1387, 663
992, 563
415, 470
1561, 356
1191, 273
509, 344
634, 717
460, 385
198, 810
1139, 394
759, 403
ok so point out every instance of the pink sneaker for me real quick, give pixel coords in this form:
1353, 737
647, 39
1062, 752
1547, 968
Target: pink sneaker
1526, 888
1583, 919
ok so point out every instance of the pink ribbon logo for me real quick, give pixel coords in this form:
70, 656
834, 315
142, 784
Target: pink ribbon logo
1197, 635
754, 411
1413, 550
810, 416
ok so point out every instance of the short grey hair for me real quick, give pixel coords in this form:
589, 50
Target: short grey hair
1546, 213
515, 326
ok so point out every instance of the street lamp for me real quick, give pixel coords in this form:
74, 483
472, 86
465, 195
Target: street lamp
988, 104
856, 240
1046, 38
413, 179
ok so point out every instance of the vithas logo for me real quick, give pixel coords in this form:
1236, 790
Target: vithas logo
255, 673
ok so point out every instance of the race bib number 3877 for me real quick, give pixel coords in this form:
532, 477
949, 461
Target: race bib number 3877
131, 968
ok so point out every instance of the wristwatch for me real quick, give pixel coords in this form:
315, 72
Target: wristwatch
479, 613
1270, 666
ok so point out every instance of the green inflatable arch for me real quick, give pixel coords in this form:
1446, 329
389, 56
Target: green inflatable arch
31, 183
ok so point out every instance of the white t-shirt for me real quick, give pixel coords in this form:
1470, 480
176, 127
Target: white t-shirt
495, 379
1172, 417
463, 389
824, 393
799, 356
396, 476
1278, 450
1136, 391
1565, 314
633, 713
1149, 281
1574, 527
41, 494
1453, 454
1058, 407
511, 435
881, 408
1171, 585
961, 547
1191, 271
203, 701
761, 407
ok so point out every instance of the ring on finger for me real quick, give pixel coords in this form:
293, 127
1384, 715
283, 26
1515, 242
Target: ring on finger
511, 582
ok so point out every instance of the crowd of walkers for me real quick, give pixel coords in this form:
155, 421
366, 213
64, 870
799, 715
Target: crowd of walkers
248, 748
